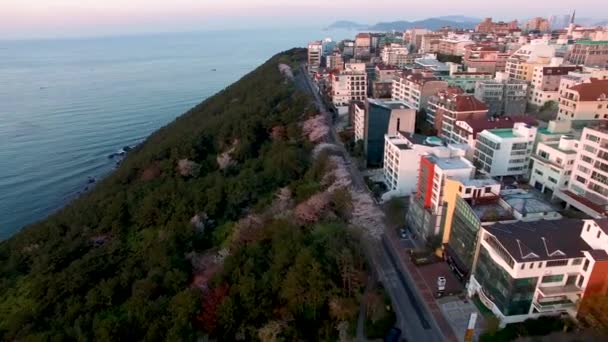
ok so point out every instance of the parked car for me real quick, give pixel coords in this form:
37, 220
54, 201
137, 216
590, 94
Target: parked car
393, 335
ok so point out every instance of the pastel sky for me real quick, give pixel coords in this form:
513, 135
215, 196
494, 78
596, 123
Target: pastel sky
48, 18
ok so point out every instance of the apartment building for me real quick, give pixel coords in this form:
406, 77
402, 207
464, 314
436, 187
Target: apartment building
414, 36
520, 65
357, 109
545, 83
334, 61
383, 81
395, 55
349, 84
453, 47
402, 153
503, 97
498, 28
315, 53
416, 88
505, 151
466, 131
530, 269
552, 164
484, 58
384, 117
429, 42
589, 53
467, 80
449, 106
587, 189
426, 208
538, 24
363, 43
585, 101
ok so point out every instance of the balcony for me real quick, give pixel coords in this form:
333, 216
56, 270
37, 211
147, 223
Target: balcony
553, 306
552, 291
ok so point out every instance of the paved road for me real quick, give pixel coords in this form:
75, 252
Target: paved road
413, 316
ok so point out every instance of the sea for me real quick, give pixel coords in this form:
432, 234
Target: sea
66, 105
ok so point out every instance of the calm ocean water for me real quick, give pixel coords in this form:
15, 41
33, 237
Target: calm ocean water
65, 105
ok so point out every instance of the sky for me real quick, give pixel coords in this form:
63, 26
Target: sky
72, 18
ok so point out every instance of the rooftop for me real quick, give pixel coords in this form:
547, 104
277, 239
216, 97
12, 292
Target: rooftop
479, 125
541, 240
555, 145
420, 139
452, 163
390, 104
525, 202
503, 132
592, 90
592, 42
488, 209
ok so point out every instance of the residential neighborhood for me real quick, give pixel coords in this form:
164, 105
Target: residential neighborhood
494, 141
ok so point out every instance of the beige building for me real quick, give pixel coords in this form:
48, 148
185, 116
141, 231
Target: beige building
416, 88
430, 42
589, 53
363, 43
544, 86
538, 24
335, 62
520, 66
395, 55
454, 47
484, 58
585, 101
349, 85
501, 27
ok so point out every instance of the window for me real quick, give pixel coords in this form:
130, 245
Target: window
557, 263
540, 264
586, 265
588, 227
577, 261
531, 265
581, 280
467, 191
538, 172
581, 179
522, 266
599, 233
552, 180
552, 278
592, 137
488, 189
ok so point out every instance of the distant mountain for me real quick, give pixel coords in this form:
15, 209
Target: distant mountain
349, 25
459, 18
431, 24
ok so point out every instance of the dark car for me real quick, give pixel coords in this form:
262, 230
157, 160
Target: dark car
393, 335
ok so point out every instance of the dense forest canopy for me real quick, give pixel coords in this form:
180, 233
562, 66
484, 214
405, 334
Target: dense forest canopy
137, 257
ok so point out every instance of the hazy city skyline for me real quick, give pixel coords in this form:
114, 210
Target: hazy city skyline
60, 18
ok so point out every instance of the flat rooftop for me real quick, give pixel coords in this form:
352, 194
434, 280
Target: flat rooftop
526, 202
555, 145
479, 182
453, 163
390, 104
490, 211
503, 132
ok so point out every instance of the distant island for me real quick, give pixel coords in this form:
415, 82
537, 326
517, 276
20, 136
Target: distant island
454, 21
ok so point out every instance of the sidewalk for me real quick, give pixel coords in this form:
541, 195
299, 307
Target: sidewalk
425, 292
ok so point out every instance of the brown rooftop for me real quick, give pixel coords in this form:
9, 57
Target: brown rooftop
479, 125
593, 90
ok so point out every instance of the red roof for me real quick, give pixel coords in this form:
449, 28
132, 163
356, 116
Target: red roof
468, 103
479, 125
593, 90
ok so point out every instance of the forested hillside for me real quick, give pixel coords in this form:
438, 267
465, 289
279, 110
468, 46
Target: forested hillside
216, 225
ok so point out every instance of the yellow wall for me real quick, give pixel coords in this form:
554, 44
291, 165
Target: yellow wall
451, 189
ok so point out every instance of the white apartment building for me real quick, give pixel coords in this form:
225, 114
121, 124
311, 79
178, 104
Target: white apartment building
359, 120
349, 85
416, 88
315, 53
530, 269
587, 189
552, 164
505, 151
584, 101
402, 153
